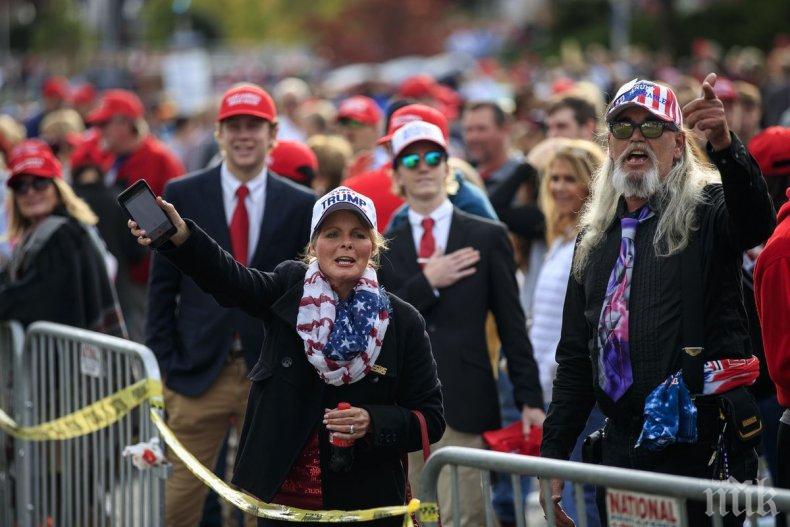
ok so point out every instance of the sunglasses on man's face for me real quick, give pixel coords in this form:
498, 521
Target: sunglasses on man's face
350, 123
432, 159
650, 129
22, 186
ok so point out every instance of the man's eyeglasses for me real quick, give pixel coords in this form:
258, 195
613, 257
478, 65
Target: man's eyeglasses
650, 129
432, 159
22, 186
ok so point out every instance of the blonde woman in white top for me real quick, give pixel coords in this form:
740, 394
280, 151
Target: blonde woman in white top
563, 191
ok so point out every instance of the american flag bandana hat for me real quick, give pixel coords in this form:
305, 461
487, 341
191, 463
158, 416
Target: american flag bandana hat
655, 98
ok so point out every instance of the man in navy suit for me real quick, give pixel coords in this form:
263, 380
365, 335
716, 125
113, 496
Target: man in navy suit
205, 350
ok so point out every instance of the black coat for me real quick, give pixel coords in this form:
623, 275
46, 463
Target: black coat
456, 320
65, 282
187, 330
733, 217
287, 398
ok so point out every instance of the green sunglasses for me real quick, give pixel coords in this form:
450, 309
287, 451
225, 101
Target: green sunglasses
432, 159
650, 129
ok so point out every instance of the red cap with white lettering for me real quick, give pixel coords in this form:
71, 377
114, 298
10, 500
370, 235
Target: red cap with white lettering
33, 158
247, 99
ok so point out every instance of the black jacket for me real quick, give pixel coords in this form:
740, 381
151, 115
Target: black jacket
287, 398
456, 320
65, 282
187, 330
735, 215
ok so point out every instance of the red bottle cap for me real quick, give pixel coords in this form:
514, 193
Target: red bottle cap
343, 443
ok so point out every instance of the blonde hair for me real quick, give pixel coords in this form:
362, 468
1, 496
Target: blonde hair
333, 153
58, 124
681, 192
75, 206
585, 157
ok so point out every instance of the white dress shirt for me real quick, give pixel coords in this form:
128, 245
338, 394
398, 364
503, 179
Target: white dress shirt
255, 203
441, 215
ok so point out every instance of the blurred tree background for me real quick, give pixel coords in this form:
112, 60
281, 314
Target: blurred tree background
373, 30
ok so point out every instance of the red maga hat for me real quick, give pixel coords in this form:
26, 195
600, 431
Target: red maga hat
771, 149
287, 157
117, 102
247, 99
361, 109
416, 112
418, 87
84, 94
56, 88
33, 157
725, 90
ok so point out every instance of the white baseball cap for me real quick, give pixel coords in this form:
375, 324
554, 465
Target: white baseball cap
343, 198
414, 132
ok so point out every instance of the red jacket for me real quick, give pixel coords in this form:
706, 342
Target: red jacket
772, 295
152, 161
155, 163
377, 185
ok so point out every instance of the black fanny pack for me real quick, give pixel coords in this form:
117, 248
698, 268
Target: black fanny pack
742, 414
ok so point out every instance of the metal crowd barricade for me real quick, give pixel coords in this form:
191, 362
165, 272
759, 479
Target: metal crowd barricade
84, 480
11, 341
717, 493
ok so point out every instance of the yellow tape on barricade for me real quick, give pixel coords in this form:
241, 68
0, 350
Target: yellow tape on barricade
252, 505
95, 416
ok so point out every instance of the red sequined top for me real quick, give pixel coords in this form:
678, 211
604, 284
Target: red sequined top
302, 486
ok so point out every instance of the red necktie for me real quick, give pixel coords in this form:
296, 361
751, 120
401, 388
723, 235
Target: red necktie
428, 242
240, 227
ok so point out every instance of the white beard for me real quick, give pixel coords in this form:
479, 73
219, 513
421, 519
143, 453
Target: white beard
635, 185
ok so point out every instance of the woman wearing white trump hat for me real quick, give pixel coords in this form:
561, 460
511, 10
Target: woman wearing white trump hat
332, 335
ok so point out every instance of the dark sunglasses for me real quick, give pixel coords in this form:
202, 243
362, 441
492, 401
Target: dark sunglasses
432, 159
650, 129
351, 123
21, 186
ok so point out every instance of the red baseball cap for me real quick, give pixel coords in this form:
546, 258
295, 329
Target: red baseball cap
84, 94
416, 112
117, 102
287, 157
56, 88
33, 157
725, 90
418, 87
361, 109
247, 99
771, 149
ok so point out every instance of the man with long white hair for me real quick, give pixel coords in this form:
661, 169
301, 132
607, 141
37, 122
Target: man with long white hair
660, 248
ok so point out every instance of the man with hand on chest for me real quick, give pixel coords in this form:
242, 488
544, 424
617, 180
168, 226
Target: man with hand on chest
455, 268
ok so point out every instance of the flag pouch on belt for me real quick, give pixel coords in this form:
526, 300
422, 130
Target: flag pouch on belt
743, 416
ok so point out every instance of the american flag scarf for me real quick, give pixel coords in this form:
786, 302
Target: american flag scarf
724, 375
342, 338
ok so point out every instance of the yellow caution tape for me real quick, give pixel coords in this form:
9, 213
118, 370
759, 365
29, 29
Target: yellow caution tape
252, 505
95, 416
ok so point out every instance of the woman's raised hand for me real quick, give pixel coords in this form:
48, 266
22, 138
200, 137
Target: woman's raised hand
182, 231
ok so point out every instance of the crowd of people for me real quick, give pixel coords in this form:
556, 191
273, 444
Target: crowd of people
446, 263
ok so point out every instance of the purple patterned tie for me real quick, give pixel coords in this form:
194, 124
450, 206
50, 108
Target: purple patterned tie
614, 361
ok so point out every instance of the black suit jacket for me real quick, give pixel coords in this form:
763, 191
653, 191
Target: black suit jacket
456, 320
188, 331
287, 398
